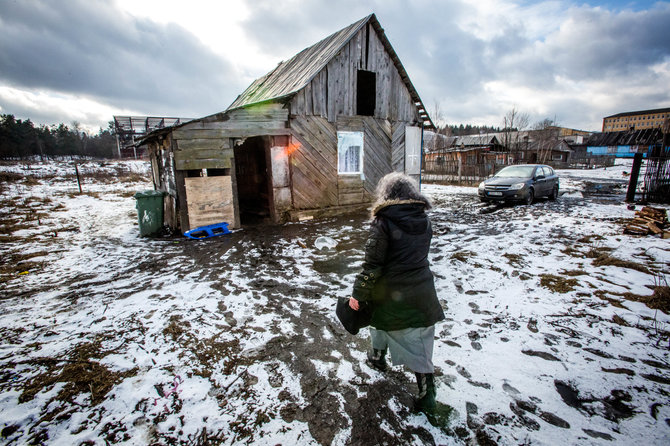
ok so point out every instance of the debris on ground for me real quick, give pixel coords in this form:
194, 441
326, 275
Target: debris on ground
649, 221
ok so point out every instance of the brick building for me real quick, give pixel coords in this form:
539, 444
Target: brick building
636, 120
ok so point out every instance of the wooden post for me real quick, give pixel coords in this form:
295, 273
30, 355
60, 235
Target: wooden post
76, 170
635, 172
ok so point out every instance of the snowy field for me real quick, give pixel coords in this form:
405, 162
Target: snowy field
109, 338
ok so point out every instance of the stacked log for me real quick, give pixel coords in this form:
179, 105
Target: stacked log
649, 220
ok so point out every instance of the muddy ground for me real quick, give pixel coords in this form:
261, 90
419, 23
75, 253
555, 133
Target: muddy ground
249, 318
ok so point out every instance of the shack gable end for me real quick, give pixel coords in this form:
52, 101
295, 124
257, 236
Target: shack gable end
333, 91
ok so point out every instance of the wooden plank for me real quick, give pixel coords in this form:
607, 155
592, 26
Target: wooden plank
196, 153
211, 144
228, 133
352, 198
348, 183
210, 200
298, 215
196, 164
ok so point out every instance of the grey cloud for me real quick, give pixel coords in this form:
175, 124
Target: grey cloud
594, 44
90, 48
440, 57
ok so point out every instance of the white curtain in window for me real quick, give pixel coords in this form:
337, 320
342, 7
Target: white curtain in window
349, 152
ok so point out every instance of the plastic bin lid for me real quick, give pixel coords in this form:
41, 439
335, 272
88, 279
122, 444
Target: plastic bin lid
149, 194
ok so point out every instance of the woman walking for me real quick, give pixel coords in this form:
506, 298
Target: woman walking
397, 282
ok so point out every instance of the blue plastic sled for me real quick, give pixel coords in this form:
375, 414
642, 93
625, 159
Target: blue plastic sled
208, 231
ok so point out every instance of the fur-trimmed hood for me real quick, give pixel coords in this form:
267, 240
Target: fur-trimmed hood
384, 204
397, 188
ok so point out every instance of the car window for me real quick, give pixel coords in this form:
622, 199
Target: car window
516, 171
548, 171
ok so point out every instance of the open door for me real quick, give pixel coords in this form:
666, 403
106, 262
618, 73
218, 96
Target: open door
251, 174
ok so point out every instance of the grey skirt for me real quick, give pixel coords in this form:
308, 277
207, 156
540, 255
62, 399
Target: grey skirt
411, 347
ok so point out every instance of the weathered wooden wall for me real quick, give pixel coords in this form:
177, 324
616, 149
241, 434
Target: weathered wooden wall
163, 173
377, 150
206, 144
313, 163
332, 92
398, 147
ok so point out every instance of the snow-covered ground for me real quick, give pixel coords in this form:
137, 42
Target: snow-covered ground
111, 338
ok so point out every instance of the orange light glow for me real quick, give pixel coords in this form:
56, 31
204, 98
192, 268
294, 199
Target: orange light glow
292, 147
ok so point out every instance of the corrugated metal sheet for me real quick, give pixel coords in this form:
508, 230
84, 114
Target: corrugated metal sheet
293, 75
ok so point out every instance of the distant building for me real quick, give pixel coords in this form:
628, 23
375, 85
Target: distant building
625, 144
636, 120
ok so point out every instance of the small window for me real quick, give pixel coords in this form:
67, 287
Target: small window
366, 93
350, 152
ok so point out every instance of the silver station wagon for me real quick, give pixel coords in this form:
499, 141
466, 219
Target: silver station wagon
520, 183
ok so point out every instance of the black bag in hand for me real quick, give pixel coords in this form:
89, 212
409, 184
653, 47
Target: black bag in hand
351, 319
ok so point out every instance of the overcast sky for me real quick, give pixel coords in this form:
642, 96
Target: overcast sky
575, 62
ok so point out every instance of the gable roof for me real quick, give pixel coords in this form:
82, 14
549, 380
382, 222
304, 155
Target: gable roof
293, 75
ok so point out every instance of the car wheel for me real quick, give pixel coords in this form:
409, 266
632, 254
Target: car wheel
530, 197
554, 193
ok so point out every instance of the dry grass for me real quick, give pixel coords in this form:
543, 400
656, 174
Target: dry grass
573, 273
608, 260
558, 284
16, 263
463, 256
572, 252
79, 373
659, 299
601, 294
587, 240
515, 259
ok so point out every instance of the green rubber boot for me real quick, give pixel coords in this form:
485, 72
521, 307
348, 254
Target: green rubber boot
426, 400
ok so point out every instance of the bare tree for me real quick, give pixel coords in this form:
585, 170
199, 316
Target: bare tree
545, 137
513, 122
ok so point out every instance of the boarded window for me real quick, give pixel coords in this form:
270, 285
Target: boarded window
366, 93
349, 152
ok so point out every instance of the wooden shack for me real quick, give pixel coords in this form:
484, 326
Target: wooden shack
311, 138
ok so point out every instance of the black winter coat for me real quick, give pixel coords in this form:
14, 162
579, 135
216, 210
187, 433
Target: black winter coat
396, 277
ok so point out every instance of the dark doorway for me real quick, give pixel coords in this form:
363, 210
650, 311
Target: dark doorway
366, 93
251, 174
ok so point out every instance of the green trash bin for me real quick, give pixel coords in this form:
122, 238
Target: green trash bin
149, 211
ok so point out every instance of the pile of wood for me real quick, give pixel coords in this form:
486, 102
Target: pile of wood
649, 221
